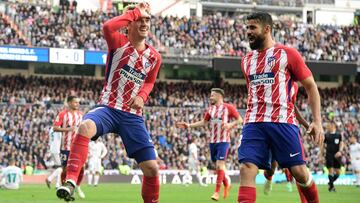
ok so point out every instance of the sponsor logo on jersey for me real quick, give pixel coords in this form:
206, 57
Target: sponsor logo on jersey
132, 74
262, 79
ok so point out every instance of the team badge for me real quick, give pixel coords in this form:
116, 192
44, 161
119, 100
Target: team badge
271, 61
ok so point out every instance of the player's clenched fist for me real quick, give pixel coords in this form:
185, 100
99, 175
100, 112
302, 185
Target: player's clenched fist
144, 9
182, 125
136, 103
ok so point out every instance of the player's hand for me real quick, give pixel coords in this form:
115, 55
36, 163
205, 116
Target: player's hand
144, 8
337, 155
227, 126
136, 103
182, 124
316, 131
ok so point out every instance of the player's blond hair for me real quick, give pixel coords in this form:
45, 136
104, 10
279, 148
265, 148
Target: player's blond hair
129, 7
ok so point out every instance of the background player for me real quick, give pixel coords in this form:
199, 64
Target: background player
67, 122
270, 71
55, 144
11, 176
193, 161
355, 158
131, 71
333, 147
219, 115
97, 151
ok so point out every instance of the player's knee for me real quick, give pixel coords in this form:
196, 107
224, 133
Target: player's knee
247, 169
150, 168
87, 128
300, 174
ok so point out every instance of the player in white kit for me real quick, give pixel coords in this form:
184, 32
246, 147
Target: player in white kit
55, 143
193, 161
11, 176
97, 151
355, 158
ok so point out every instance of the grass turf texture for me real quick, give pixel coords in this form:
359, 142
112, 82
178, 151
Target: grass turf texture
111, 193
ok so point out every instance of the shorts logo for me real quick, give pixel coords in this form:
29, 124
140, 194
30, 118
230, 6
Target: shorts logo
292, 155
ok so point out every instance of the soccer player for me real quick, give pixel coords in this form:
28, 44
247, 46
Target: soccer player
97, 151
355, 158
55, 144
193, 161
12, 176
334, 147
270, 71
131, 70
219, 114
67, 122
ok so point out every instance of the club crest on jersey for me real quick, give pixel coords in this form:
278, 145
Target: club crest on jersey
271, 61
132, 74
262, 79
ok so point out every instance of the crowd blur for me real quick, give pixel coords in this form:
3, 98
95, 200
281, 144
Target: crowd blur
211, 35
29, 105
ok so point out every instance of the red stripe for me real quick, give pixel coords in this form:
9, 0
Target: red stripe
290, 105
223, 131
250, 96
260, 66
302, 147
215, 125
275, 88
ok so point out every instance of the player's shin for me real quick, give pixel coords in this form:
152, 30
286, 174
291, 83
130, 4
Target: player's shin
309, 190
77, 157
150, 189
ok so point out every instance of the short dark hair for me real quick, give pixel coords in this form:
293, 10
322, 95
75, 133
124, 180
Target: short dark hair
218, 90
263, 17
70, 98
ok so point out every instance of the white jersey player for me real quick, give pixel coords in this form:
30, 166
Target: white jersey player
11, 176
193, 161
97, 151
355, 158
55, 144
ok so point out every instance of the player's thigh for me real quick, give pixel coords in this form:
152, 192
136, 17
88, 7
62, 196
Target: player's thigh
56, 158
286, 146
213, 151
104, 118
136, 138
254, 147
222, 150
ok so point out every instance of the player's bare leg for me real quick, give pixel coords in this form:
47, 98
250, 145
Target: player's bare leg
77, 158
151, 184
268, 178
247, 189
305, 182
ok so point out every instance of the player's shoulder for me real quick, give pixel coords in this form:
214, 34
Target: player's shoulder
229, 105
154, 51
290, 51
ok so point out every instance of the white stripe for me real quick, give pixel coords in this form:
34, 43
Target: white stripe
226, 120
282, 87
69, 135
254, 99
212, 113
268, 89
219, 125
245, 64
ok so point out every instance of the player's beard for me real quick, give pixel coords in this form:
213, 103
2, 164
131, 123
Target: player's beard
258, 42
212, 102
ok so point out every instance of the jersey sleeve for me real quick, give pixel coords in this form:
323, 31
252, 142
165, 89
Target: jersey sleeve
233, 112
111, 27
207, 115
150, 80
299, 70
59, 119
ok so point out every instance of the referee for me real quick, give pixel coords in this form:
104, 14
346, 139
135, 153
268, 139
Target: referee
333, 146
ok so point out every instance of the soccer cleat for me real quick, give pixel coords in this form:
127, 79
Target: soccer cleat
289, 187
66, 191
226, 191
80, 192
48, 183
215, 196
267, 187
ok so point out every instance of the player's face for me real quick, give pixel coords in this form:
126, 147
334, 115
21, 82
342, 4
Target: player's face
74, 104
255, 34
140, 28
214, 97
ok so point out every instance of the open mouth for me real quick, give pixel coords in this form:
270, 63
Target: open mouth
251, 38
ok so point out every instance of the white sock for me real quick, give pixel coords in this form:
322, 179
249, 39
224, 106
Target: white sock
96, 179
55, 174
358, 178
198, 176
90, 178
58, 176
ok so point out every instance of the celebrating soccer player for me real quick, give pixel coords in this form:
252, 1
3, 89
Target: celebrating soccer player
270, 71
219, 114
131, 70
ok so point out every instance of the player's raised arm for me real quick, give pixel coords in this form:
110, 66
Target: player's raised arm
185, 125
132, 13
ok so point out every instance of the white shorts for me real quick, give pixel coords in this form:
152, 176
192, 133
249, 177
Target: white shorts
356, 165
94, 164
193, 165
55, 157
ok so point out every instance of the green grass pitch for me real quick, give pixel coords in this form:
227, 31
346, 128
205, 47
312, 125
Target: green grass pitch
111, 193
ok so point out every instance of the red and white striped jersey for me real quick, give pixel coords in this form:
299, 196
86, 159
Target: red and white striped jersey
270, 76
218, 115
129, 72
66, 119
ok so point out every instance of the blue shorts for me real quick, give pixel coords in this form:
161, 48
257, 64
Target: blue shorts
130, 127
64, 155
263, 142
219, 151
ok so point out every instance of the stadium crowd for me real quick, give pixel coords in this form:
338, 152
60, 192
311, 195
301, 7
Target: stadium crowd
210, 35
29, 105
